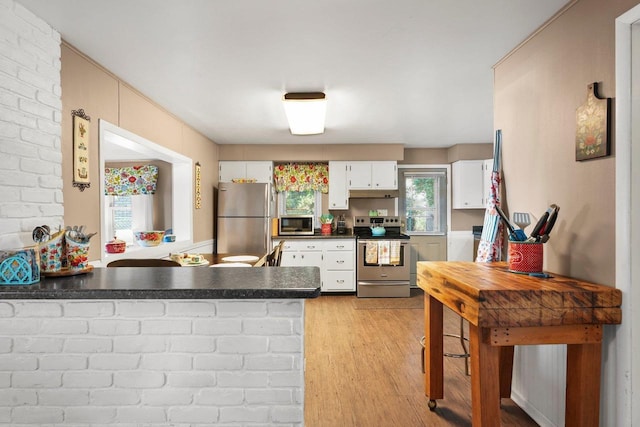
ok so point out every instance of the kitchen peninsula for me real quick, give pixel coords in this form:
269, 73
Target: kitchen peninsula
156, 345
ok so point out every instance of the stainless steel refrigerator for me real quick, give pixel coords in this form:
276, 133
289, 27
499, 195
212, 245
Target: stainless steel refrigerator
244, 218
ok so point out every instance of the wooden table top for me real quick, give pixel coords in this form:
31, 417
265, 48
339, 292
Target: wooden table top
489, 295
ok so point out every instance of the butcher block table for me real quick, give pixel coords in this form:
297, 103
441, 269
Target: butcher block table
506, 309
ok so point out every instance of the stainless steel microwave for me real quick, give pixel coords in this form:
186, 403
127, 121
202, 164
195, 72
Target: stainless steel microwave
293, 225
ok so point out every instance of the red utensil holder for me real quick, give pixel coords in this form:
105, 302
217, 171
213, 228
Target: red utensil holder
325, 228
525, 257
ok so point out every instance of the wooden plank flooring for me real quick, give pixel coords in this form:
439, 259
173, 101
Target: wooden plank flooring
363, 368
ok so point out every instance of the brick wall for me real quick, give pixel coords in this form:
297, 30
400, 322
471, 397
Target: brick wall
30, 117
147, 362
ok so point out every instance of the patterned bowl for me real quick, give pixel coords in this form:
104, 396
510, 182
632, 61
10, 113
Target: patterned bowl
148, 238
116, 246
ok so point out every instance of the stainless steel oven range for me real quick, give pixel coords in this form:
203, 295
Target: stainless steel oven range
383, 261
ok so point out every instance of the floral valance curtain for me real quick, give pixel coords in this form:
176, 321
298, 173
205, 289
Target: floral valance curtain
302, 177
129, 181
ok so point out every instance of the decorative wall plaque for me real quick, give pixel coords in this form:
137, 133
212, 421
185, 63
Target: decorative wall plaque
593, 133
80, 149
198, 189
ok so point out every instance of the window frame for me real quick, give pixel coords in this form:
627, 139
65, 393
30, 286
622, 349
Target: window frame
317, 206
425, 169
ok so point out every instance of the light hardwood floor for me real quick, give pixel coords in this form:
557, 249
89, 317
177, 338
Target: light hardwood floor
363, 368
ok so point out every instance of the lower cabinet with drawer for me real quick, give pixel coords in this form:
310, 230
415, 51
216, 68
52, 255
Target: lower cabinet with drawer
335, 257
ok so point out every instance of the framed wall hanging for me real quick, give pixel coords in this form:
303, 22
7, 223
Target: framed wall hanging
81, 149
593, 132
198, 189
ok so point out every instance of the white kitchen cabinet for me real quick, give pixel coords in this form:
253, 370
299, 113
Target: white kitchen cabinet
261, 171
487, 171
335, 258
374, 175
338, 190
468, 184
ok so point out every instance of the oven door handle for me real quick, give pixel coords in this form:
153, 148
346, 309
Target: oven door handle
382, 282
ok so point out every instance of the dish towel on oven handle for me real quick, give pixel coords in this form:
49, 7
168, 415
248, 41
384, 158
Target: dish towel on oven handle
383, 252
371, 253
394, 252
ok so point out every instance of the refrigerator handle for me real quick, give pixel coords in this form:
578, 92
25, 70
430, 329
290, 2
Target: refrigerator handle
267, 234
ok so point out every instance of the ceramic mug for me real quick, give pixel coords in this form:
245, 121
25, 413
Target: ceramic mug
77, 255
52, 252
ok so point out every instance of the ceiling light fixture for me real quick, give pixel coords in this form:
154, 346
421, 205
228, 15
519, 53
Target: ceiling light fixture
305, 112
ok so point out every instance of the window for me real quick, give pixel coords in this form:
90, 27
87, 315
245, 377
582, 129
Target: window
126, 214
308, 202
424, 201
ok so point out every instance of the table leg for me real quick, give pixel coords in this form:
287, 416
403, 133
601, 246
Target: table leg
485, 378
583, 385
506, 370
434, 358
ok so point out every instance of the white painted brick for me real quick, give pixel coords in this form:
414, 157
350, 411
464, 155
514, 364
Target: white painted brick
63, 397
48, 126
9, 130
217, 362
5, 379
287, 414
217, 326
33, 195
89, 309
38, 309
17, 397
244, 415
37, 345
115, 327
243, 344
89, 415
242, 379
6, 310
141, 308
19, 149
139, 379
64, 362
88, 345
166, 327
191, 379
19, 211
192, 344
32, 77
286, 344
64, 327
194, 414
5, 415
115, 397
285, 308
36, 379
36, 166
140, 344
167, 397
13, 362
220, 397
167, 362
36, 415
16, 86
267, 326
51, 210
268, 396
111, 361
32, 107
33, 20
242, 308
286, 379
87, 379
52, 182
191, 308
142, 414
269, 363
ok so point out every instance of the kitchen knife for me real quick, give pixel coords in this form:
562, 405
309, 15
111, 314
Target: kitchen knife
541, 222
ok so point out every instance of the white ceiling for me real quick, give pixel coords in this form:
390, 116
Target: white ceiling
416, 72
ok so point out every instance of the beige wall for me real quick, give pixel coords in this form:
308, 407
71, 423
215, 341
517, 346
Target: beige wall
102, 95
537, 91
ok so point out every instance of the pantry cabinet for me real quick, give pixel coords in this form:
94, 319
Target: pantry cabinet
468, 179
335, 257
374, 175
338, 190
261, 171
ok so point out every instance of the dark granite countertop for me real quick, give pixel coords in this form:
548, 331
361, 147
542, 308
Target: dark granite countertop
319, 235
175, 283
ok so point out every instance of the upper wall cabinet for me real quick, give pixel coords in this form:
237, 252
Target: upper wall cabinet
469, 183
375, 175
338, 190
260, 171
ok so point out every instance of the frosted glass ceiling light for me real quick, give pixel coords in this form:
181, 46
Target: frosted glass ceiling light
305, 112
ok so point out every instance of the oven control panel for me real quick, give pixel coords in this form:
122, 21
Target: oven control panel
383, 221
